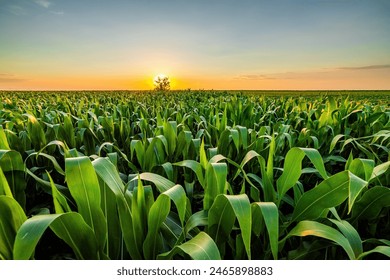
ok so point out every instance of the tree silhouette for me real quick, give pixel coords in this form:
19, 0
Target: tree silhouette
162, 83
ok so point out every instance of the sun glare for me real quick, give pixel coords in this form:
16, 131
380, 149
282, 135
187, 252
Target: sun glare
161, 82
159, 77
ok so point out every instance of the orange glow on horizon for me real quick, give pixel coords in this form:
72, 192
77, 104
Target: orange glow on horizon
327, 80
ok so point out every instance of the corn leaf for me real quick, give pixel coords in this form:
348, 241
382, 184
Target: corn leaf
11, 218
84, 187
270, 214
293, 168
223, 214
109, 175
68, 226
306, 228
371, 203
11, 163
201, 247
329, 193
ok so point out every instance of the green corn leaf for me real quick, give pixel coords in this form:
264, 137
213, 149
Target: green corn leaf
306, 228
139, 214
371, 203
197, 219
379, 170
11, 163
110, 210
84, 187
270, 214
351, 234
270, 160
170, 130
59, 201
108, 173
64, 149
171, 231
194, 166
4, 187
223, 214
334, 142
111, 189
155, 152
3, 140
356, 186
11, 218
178, 195
68, 226
201, 247
36, 132
202, 155
161, 183
384, 250
329, 193
243, 136
137, 149
293, 168
157, 215
168, 168
362, 168
53, 160
216, 174
269, 192
236, 138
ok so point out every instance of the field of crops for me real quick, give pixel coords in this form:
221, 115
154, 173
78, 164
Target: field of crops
194, 175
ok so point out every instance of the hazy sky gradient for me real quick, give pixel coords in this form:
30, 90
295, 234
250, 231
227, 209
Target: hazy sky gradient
122, 44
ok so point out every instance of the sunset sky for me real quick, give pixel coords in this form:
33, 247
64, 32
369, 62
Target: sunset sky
199, 44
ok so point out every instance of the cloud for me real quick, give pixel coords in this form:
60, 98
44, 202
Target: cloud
16, 10
368, 67
324, 72
59, 13
43, 3
254, 77
10, 78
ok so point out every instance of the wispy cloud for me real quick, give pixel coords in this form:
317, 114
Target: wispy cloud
16, 10
254, 77
324, 72
367, 67
58, 13
43, 3
10, 78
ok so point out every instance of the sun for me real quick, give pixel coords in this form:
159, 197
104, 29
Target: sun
161, 82
160, 77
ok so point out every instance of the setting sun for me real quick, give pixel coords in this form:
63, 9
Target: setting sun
161, 82
159, 77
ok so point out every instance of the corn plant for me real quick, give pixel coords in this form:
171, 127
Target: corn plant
194, 174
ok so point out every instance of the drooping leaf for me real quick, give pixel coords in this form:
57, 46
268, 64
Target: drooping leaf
201, 247
329, 193
292, 168
223, 214
68, 226
305, 228
371, 203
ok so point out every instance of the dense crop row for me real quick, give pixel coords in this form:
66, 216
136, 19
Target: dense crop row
202, 175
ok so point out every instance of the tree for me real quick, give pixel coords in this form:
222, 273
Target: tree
162, 83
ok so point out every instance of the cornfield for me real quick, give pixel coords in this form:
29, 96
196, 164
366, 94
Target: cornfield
194, 175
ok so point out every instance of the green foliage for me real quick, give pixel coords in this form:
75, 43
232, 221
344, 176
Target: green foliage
194, 175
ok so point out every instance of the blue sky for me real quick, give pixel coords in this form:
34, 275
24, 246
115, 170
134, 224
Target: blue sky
245, 44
